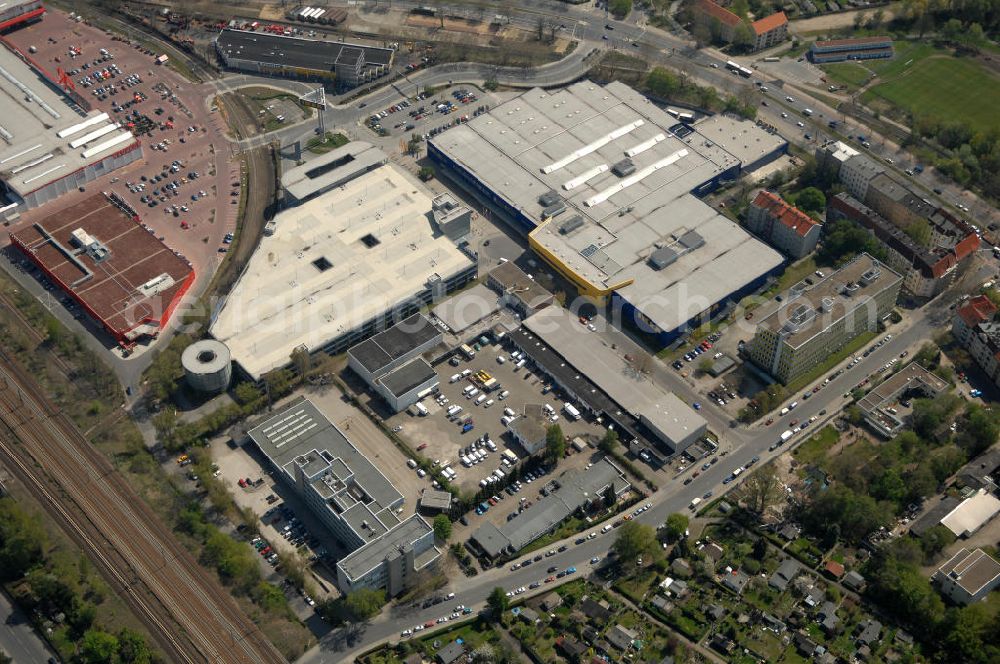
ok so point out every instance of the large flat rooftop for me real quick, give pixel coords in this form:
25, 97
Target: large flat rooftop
281, 51
624, 172
301, 435
810, 308
132, 288
334, 263
632, 390
43, 138
371, 555
327, 171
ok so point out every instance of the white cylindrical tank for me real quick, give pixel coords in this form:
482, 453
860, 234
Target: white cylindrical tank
207, 365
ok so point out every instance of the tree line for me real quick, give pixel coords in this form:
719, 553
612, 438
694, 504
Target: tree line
53, 586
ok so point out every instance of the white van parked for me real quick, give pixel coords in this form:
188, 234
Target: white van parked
508, 412
455, 378
482, 398
471, 393
504, 395
467, 389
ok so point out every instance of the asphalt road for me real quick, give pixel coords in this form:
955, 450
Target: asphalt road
17, 639
674, 496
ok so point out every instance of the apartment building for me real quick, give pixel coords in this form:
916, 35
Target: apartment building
784, 227
927, 269
820, 315
976, 327
769, 31
719, 18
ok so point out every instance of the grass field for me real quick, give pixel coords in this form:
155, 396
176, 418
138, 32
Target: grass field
923, 79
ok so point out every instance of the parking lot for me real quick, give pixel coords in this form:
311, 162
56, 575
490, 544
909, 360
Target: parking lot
428, 115
440, 437
186, 186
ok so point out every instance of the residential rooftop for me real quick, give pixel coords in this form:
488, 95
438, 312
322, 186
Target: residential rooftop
768, 23
788, 215
809, 308
913, 376
335, 263
44, 138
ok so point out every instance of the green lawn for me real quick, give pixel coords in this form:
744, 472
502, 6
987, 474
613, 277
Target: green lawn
939, 85
815, 449
848, 73
328, 142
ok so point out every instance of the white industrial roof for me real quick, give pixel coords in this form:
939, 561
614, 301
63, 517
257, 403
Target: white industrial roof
569, 141
590, 354
320, 173
316, 279
971, 514
43, 138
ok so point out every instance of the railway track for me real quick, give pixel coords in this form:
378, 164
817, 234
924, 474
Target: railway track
192, 617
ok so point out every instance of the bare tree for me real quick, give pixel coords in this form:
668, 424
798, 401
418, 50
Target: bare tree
761, 489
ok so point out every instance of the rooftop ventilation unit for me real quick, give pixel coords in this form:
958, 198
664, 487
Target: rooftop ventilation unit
571, 224
870, 276
826, 305
623, 168
692, 240
662, 258
549, 198
553, 210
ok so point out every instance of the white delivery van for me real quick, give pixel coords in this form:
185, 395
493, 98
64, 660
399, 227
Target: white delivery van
421, 408
489, 402
455, 378
482, 398
471, 393
506, 420
508, 412
467, 389
504, 395
695, 503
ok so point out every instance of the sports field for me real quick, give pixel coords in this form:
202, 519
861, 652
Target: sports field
925, 80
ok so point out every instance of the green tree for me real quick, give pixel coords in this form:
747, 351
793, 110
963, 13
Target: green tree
978, 432
811, 199
743, 36
247, 393
442, 527
5, 658
675, 526
301, 360
491, 84
22, 540
497, 602
843, 239
634, 539
609, 442
555, 443
132, 648
705, 365
620, 8
889, 486
425, 173
98, 647
364, 603
920, 232
934, 540
662, 82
